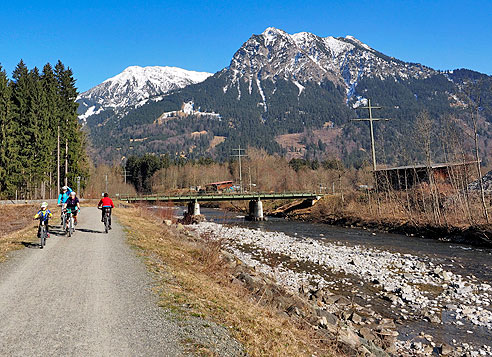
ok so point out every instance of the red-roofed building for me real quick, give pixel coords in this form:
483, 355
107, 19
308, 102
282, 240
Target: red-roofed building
220, 186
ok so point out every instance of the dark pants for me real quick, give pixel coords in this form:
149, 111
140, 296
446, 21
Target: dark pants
39, 228
104, 211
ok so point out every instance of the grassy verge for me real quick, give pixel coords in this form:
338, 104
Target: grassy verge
18, 228
195, 282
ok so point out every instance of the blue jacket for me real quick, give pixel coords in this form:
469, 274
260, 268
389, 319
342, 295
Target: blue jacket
63, 197
43, 215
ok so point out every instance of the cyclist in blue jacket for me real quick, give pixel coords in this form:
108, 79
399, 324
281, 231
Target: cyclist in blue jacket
62, 198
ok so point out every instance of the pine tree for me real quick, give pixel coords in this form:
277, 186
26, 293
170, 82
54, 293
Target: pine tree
32, 107
22, 144
5, 132
70, 127
38, 119
50, 88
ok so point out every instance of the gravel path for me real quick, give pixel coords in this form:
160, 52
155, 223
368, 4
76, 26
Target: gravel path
88, 295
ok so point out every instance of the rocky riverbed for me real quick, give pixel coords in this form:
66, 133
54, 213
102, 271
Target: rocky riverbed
436, 309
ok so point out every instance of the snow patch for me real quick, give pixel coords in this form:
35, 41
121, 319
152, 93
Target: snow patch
301, 87
261, 93
360, 43
188, 107
337, 47
361, 101
90, 111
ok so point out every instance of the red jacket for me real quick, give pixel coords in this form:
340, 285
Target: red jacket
105, 202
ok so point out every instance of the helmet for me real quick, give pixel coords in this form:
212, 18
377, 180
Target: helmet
73, 193
64, 188
44, 204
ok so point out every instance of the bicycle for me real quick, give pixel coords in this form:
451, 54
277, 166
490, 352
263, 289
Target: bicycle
43, 234
105, 219
64, 220
69, 222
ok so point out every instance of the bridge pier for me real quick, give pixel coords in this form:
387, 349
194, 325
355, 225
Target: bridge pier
194, 208
255, 211
192, 215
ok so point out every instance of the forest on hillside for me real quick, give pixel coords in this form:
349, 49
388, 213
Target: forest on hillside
36, 106
351, 194
245, 121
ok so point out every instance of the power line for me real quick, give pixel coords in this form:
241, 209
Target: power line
239, 156
371, 120
126, 174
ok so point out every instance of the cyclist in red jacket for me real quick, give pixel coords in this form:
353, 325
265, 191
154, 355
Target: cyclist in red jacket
106, 203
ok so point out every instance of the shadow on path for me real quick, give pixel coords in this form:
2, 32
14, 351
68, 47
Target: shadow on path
88, 230
30, 245
57, 230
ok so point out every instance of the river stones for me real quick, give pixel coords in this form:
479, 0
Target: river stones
416, 286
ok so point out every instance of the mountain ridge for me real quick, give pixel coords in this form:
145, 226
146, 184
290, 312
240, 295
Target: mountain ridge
133, 86
278, 84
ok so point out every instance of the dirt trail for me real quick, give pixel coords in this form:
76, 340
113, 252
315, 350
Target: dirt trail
85, 295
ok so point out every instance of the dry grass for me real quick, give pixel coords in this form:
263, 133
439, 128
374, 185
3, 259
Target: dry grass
17, 228
397, 208
195, 281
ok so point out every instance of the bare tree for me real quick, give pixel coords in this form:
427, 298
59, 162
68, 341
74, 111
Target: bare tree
424, 136
472, 91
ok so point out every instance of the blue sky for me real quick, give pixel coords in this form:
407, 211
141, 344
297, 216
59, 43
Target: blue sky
99, 39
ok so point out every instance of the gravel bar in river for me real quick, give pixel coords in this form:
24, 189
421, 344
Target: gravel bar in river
421, 292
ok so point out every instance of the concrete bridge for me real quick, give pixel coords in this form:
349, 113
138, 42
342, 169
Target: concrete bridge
255, 200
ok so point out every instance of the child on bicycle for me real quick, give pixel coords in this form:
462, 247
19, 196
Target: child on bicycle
44, 214
73, 204
106, 203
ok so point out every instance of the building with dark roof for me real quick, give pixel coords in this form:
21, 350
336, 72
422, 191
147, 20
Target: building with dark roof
405, 177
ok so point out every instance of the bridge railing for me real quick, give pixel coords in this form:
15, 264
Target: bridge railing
217, 196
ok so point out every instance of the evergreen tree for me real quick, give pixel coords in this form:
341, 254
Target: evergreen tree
6, 136
32, 106
69, 124
41, 136
22, 146
50, 88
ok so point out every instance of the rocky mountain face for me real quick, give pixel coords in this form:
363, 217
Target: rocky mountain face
305, 57
134, 86
289, 94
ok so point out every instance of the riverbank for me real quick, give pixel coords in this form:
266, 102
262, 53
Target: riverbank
329, 211
436, 309
196, 279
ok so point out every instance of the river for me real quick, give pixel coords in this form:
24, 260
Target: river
456, 278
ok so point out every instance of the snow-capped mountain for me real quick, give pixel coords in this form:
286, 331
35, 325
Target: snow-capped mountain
303, 57
134, 86
293, 94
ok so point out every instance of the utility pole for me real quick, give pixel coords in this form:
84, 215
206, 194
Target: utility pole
249, 174
58, 161
126, 174
373, 150
371, 120
239, 156
106, 179
66, 162
78, 186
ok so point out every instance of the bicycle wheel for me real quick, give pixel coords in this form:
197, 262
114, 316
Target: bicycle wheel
42, 237
70, 227
106, 223
64, 222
